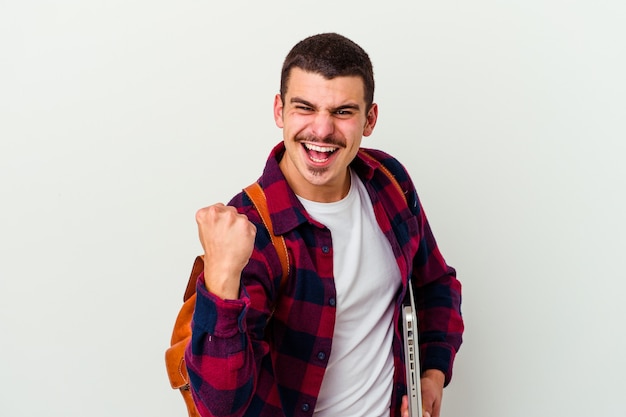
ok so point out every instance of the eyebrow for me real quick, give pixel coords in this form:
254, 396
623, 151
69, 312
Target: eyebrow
299, 100
350, 106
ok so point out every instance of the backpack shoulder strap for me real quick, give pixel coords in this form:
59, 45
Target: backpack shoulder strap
256, 194
385, 171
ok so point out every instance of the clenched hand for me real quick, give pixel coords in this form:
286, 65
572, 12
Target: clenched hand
227, 238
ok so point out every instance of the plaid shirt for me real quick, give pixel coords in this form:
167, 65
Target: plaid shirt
243, 364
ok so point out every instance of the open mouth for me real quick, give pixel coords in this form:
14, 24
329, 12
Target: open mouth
319, 154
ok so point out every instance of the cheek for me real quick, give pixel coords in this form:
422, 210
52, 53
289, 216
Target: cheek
293, 128
352, 132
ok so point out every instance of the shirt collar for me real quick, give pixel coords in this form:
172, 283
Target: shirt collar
285, 209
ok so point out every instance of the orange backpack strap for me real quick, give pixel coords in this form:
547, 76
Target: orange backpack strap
256, 194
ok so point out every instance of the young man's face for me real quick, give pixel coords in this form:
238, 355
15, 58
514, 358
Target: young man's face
323, 122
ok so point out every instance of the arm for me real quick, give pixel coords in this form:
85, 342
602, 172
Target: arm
226, 346
437, 291
218, 360
438, 300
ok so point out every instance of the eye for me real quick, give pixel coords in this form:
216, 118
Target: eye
344, 113
303, 108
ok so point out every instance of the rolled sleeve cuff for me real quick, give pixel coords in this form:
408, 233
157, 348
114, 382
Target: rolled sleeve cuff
217, 317
438, 356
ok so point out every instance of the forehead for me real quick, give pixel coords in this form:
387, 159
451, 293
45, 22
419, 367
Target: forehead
311, 85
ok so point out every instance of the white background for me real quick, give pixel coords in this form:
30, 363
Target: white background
118, 119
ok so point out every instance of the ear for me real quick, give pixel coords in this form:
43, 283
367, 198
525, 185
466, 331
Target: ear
278, 111
370, 120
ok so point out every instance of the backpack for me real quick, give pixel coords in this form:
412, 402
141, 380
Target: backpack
181, 334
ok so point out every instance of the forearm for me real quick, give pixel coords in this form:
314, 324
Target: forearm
220, 359
440, 323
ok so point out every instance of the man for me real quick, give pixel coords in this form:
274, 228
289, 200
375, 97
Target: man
332, 346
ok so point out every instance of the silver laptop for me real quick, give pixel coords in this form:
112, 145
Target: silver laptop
411, 354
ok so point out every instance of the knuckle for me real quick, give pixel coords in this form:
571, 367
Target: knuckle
201, 215
208, 213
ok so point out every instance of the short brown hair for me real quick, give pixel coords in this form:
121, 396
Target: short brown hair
330, 55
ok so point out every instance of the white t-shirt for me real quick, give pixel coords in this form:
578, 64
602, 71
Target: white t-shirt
359, 377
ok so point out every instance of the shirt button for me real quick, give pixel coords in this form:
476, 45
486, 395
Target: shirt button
305, 407
321, 356
325, 249
332, 302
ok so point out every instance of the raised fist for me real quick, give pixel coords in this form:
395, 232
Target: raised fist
227, 238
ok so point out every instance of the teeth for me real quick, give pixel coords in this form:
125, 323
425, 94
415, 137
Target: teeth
319, 148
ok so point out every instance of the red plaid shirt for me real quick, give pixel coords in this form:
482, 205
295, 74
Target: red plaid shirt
243, 364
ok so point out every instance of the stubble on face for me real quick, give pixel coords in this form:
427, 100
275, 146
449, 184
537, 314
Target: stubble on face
330, 140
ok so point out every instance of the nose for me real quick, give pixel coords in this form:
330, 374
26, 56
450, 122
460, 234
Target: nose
323, 125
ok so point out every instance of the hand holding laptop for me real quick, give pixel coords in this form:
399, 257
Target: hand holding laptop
425, 391
432, 392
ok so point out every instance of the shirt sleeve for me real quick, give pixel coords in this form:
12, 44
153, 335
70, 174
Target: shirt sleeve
438, 300
227, 345
218, 358
436, 288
